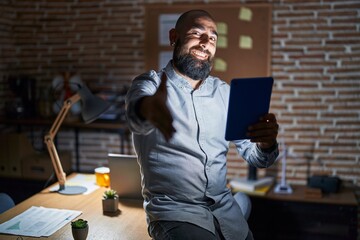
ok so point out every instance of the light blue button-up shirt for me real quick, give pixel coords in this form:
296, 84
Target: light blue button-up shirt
185, 179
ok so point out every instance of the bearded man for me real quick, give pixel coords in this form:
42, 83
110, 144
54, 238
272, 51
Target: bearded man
178, 118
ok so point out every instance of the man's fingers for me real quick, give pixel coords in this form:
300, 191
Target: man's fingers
270, 117
266, 130
165, 126
162, 86
263, 125
267, 121
161, 115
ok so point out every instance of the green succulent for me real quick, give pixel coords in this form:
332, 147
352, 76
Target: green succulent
79, 223
110, 194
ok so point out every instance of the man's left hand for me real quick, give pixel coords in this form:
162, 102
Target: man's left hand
264, 132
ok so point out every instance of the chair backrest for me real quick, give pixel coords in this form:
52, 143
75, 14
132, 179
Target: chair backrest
6, 202
244, 202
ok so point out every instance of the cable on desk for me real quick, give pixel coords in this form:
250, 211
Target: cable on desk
49, 180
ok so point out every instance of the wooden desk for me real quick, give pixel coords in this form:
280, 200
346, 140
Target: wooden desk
345, 196
130, 224
293, 216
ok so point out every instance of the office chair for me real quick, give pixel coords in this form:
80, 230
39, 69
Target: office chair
244, 202
6, 202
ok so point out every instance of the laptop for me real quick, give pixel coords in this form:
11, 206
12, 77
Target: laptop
125, 176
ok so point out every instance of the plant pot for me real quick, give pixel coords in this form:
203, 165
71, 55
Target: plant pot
110, 205
80, 233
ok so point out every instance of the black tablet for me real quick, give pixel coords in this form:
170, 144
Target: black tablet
249, 100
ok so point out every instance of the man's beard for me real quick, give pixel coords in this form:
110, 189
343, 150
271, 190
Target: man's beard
190, 66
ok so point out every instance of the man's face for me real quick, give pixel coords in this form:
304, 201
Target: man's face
195, 48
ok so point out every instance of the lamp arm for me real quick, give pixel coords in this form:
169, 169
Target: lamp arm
68, 103
49, 139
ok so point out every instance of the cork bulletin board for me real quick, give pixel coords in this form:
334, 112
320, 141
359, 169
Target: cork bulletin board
244, 42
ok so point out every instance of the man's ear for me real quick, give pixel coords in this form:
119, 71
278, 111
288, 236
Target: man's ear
172, 36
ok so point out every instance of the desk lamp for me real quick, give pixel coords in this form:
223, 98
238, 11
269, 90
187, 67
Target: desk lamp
92, 108
283, 187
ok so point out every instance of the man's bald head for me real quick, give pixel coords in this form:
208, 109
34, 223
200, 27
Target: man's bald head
190, 15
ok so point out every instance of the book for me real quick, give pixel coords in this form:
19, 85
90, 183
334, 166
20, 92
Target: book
261, 191
250, 185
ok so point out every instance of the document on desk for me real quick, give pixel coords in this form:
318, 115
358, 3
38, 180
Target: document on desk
38, 221
84, 180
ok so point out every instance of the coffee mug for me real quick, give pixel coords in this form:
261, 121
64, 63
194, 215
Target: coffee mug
102, 175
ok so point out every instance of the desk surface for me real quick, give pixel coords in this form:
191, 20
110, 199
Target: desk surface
129, 224
345, 196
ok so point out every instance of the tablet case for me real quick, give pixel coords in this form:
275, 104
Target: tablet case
249, 100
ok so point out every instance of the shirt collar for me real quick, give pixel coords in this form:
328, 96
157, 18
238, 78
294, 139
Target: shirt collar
181, 82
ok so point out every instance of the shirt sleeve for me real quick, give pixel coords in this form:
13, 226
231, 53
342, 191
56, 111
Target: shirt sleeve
254, 155
143, 85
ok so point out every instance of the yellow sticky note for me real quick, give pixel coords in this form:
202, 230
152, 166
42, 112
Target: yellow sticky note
220, 65
245, 42
221, 28
245, 14
222, 42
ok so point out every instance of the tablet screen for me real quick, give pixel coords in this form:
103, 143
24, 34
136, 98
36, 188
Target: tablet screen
249, 100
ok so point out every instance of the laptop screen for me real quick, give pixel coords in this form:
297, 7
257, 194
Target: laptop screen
125, 176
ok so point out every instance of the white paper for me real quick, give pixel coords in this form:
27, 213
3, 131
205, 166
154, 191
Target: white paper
164, 58
84, 180
166, 22
38, 221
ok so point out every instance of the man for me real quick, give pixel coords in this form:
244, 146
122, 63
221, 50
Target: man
178, 119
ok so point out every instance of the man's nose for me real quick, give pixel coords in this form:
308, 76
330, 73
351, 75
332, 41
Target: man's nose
204, 41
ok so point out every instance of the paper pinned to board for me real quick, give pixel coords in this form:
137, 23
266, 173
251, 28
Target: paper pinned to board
166, 22
222, 28
164, 58
84, 180
222, 42
245, 14
245, 42
220, 65
38, 221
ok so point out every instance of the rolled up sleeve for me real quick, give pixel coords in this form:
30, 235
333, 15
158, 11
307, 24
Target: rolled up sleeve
143, 85
254, 155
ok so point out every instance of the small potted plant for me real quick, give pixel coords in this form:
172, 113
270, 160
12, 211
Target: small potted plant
110, 201
79, 229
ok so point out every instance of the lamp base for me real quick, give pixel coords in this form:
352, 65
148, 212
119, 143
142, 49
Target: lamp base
72, 190
283, 188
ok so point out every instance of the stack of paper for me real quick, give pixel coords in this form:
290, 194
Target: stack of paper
84, 180
38, 221
257, 187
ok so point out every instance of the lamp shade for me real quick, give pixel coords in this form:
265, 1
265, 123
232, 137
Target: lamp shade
92, 106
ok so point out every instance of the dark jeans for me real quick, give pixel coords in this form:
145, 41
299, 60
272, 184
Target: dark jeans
173, 230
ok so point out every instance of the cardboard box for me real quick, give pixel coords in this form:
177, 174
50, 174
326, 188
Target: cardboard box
13, 147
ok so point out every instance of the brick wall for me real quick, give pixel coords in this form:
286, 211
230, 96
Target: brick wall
315, 62
7, 18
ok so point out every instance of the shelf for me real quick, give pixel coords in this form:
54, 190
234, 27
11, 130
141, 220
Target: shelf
106, 125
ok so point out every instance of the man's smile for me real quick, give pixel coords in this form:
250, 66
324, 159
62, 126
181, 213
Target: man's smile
199, 54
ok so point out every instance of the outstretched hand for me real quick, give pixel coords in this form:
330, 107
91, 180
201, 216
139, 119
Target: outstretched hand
264, 132
154, 109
